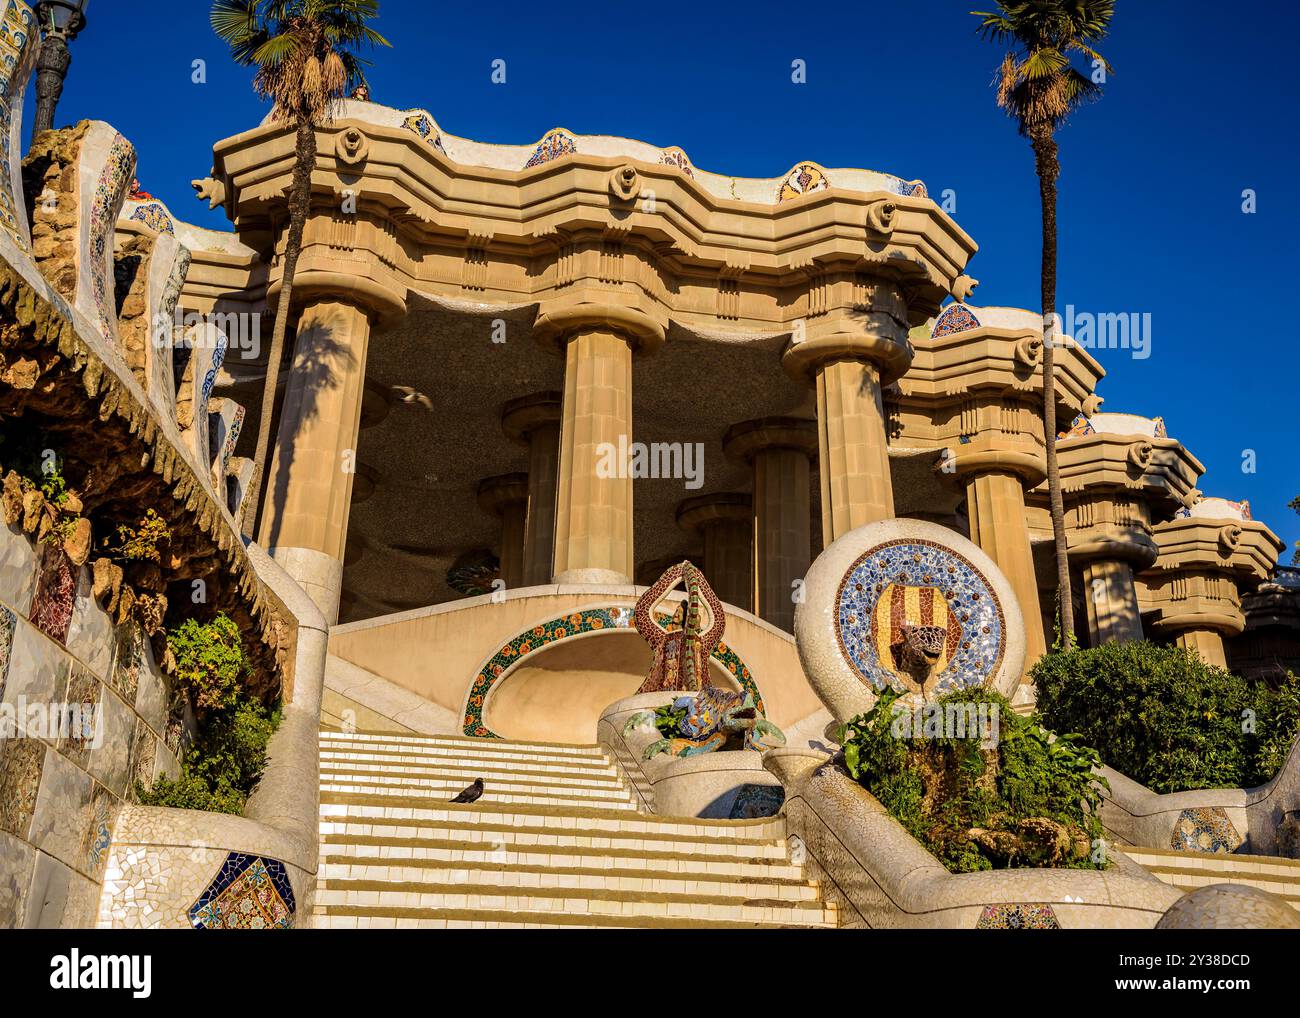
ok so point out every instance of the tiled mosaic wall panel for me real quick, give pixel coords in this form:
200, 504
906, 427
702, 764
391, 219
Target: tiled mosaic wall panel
61, 783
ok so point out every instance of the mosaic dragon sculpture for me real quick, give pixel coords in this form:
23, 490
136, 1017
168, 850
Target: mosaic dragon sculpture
713, 716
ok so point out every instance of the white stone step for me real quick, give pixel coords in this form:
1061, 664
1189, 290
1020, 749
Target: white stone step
363, 917
394, 898
737, 860
463, 761
464, 744
467, 772
1190, 870
501, 794
580, 879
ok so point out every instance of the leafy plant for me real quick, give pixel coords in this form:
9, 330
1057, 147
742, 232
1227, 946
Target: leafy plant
209, 661
1165, 718
669, 720
140, 542
1020, 797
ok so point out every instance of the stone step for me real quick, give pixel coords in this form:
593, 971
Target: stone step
504, 795
599, 903
353, 917
466, 773
1191, 870
731, 860
517, 878
463, 743
405, 811
488, 765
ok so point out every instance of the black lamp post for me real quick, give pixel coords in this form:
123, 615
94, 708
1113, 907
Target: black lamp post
59, 21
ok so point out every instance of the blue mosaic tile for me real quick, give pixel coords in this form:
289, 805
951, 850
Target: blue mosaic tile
1205, 829
249, 892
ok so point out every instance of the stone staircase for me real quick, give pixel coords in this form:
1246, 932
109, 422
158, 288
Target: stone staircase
1190, 870
555, 840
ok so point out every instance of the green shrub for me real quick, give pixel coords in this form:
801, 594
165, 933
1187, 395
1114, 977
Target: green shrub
229, 753
1021, 798
1165, 718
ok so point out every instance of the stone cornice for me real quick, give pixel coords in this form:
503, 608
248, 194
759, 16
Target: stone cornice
1245, 548
1160, 470
521, 222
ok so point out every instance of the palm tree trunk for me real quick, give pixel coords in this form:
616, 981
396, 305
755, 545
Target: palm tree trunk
299, 202
1047, 163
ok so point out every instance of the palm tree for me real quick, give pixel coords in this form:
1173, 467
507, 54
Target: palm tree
1039, 88
304, 53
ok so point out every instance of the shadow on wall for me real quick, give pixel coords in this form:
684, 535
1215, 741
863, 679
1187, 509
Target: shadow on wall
559, 694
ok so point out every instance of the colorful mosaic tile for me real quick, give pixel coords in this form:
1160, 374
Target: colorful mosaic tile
919, 583
15, 34
99, 833
144, 748
114, 179
1205, 829
422, 124
128, 661
953, 319
1018, 917
1160, 430
214, 368
566, 627
676, 157
83, 695
1079, 427
753, 801
802, 179
56, 594
21, 762
8, 623
154, 216
249, 892
912, 189
555, 143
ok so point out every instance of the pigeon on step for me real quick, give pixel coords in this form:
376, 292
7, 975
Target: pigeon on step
471, 793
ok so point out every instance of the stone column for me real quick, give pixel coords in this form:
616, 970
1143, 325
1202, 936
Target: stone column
1110, 542
726, 524
593, 507
1111, 601
779, 449
995, 481
1208, 643
309, 482
535, 422
848, 357
506, 496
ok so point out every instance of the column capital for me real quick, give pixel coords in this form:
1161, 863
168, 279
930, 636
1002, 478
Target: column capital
521, 417
873, 337
986, 455
495, 493
557, 323
1114, 542
745, 440
694, 514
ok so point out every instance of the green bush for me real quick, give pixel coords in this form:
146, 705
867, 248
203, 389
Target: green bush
1165, 718
1021, 798
229, 753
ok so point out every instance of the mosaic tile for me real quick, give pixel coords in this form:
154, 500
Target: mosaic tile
1079, 427
18, 564
16, 32
919, 583
56, 594
676, 157
753, 801
912, 189
1018, 917
99, 832
1205, 829
248, 893
90, 630
422, 124
802, 179
953, 319
83, 697
37, 675
554, 144
128, 661
583, 621
17, 860
8, 623
21, 763
144, 752
154, 216
62, 813
114, 179
110, 761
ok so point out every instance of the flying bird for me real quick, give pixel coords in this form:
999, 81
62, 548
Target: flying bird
471, 793
413, 396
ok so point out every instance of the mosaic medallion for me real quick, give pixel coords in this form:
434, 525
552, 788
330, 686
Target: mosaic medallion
566, 627
1205, 829
249, 892
953, 319
154, 216
917, 583
556, 142
1079, 428
1018, 917
803, 179
676, 157
422, 124
912, 189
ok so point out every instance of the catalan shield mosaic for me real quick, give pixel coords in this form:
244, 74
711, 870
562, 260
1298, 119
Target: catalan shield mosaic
919, 583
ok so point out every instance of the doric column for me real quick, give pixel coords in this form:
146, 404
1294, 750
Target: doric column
995, 480
309, 483
725, 522
1110, 541
506, 496
535, 422
848, 356
1111, 601
593, 514
779, 449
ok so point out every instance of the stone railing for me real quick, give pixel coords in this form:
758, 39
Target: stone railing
880, 876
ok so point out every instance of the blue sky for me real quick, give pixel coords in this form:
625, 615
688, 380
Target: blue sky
1200, 108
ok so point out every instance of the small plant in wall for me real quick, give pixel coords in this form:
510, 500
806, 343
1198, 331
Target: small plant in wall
127, 573
35, 494
211, 672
